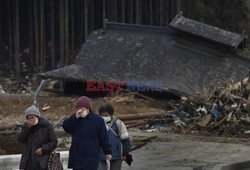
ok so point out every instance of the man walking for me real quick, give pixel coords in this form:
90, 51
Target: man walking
89, 134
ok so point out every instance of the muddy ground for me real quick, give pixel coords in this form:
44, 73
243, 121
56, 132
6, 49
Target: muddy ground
184, 152
12, 106
167, 151
12, 109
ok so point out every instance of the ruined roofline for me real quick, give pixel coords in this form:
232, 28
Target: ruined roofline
136, 28
207, 32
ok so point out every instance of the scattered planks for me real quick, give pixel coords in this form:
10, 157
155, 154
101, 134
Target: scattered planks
140, 116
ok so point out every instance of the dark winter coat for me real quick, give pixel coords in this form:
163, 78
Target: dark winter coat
119, 146
89, 134
41, 135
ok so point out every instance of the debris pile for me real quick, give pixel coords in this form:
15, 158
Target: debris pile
221, 110
27, 85
11, 86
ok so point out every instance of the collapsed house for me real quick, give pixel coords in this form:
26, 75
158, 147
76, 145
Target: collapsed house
187, 56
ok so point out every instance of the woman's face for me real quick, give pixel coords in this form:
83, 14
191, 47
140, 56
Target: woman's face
31, 117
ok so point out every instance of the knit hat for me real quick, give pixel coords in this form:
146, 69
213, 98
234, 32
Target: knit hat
32, 110
84, 102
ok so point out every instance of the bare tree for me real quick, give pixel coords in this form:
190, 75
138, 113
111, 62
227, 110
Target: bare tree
42, 38
52, 34
86, 17
31, 34
151, 12
10, 34
115, 10
72, 30
178, 5
17, 42
81, 20
36, 35
62, 32
66, 32
138, 12
166, 13
123, 11
0, 22
104, 11
162, 13
131, 11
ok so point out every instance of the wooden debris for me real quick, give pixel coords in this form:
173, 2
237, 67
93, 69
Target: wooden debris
248, 99
203, 122
140, 116
229, 116
142, 96
45, 107
27, 88
231, 101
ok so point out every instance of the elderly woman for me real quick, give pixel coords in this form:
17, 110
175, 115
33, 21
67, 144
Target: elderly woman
118, 138
39, 138
88, 136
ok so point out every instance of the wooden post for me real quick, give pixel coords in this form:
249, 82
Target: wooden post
52, 35
17, 42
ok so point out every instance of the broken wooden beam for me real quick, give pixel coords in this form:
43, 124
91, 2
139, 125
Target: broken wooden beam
203, 122
140, 116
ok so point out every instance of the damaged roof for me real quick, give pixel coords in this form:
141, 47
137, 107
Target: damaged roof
124, 52
205, 31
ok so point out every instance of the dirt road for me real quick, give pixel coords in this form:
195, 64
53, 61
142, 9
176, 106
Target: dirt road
183, 152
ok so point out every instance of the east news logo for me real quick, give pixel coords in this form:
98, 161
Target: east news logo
128, 85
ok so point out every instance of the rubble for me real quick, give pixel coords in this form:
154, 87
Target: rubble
219, 110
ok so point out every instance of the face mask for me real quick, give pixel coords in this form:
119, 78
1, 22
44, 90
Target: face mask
107, 119
84, 113
36, 122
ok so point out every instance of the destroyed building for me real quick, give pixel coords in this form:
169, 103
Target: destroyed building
187, 56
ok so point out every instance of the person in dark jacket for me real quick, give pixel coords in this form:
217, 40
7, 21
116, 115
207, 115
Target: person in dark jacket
118, 138
88, 136
39, 138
